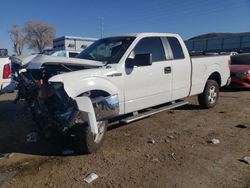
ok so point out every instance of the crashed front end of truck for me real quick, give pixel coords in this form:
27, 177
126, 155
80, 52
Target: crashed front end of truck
52, 108
49, 104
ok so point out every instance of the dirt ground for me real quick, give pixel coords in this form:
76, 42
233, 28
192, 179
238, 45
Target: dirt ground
127, 159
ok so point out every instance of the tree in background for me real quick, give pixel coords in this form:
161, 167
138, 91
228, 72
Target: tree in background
38, 35
18, 39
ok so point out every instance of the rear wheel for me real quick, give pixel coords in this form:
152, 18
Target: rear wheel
85, 141
210, 95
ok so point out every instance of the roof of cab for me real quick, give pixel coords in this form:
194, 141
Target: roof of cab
145, 34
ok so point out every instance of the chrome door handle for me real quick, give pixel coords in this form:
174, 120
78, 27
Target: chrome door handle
167, 70
114, 75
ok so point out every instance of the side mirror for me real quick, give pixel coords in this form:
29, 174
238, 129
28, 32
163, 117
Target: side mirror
139, 60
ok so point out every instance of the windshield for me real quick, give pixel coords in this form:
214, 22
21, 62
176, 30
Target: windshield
240, 59
60, 53
108, 50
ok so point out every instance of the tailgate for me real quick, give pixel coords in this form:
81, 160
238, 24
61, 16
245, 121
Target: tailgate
6, 86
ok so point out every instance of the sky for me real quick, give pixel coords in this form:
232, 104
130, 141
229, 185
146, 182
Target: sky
83, 18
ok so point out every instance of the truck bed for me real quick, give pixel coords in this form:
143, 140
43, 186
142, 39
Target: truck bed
200, 65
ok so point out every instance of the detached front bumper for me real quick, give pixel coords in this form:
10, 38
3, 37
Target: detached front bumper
99, 109
106, 107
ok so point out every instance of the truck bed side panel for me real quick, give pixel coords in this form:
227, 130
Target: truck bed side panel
203, 67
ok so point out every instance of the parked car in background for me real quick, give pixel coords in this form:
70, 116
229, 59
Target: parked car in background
5, 73
64, 53
61, 53
228, 53
240, 71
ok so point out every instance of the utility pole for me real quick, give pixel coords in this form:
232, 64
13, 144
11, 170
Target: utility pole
101, 25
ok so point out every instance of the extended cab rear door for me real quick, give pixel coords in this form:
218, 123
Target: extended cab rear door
181, 67
146, 86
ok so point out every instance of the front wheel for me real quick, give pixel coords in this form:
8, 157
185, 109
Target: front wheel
210, 95
85, 141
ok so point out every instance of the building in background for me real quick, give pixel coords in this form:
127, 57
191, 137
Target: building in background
71, 43
3, 52
220, 42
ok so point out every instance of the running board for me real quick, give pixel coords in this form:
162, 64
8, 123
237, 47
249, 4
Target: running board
152, 112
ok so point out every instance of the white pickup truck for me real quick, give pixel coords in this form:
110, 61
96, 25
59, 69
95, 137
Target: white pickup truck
122, 78
5, 73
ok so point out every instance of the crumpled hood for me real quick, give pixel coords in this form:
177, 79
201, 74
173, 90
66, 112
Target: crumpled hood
22, 60
239, 68
74, 81
38, 61
73, 77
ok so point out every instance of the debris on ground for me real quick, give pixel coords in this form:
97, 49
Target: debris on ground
246, 160
6, 155
72, 135
151, 141
68, 152
49, 184
32, 137
242, 126
167, 140
172, 155
9, 155
126, 134
171, 137
25, 163
172, 132
214, 141
91, 177
155, 160
6, 176
147, 155
217, 162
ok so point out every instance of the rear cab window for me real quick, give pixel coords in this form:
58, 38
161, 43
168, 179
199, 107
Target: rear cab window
72, 54
176, 48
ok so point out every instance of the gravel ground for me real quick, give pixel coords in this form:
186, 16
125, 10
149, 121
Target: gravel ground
181, 156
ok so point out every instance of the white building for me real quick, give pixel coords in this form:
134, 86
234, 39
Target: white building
71, 43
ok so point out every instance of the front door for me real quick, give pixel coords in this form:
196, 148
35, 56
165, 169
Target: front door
146, 86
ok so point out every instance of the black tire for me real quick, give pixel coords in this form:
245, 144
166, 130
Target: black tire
210, 95
84, 140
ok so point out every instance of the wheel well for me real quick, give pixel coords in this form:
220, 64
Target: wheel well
95, 93
216, 77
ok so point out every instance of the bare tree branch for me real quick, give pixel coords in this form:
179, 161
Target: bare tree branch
39, 35
18, 39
